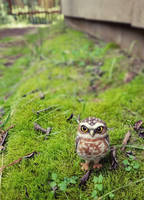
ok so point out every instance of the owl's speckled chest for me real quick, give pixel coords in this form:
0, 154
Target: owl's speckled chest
92, 149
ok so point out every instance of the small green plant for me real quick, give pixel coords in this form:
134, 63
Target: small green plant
98, 187
62, 185
131, 164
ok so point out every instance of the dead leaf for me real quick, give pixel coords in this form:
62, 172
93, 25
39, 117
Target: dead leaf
138, 125
26, 192
8, 64
139, 129
41, 95
125, 140
129, 77
95, 87
141, 133
37, 127
70, 117
48, 132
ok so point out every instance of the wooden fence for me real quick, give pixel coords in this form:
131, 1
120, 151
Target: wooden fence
34, 11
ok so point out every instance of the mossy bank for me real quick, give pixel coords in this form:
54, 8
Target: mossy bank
76, 75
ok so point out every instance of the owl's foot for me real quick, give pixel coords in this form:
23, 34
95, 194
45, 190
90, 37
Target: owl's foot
98, 166
85, 166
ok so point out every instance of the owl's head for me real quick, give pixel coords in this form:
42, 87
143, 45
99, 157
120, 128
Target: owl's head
92, 127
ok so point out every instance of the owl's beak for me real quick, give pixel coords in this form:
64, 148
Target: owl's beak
92, 133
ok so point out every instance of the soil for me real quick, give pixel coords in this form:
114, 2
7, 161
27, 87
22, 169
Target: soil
8, 32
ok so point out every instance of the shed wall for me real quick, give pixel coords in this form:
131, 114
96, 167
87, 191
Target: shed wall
121, 11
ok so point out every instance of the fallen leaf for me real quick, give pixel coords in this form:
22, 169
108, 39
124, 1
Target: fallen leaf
26, 192
141, 134
30, 155
125, 140
41, 95
137, 125
37, 127
139, 129
70, 117
129, 77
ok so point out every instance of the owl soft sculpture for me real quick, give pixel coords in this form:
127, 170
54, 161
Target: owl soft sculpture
92, 141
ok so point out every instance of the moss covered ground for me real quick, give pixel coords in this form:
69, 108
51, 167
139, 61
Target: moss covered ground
77, 75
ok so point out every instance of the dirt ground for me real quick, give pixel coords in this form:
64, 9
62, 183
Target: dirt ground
10, 32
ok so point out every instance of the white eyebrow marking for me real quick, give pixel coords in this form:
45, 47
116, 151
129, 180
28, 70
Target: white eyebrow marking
92, 127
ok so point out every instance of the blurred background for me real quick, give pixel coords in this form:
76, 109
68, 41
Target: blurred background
25, 11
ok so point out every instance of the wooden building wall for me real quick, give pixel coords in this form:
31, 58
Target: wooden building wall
120, 11
120, 21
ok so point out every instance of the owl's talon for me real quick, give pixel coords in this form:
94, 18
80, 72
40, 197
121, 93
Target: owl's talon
98, 166
85, 166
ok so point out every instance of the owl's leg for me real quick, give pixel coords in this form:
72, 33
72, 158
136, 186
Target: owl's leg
85, 166
97, 164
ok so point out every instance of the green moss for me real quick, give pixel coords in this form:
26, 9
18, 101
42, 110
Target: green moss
51, 63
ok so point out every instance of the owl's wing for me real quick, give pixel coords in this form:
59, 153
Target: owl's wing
77, 141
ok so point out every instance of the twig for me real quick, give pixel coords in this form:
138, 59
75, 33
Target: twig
48, 132
17, 161
114, 162
85, 178
135, 147
1, 176
131, 146
31, 92
4, 138
46, 109
37, 127
26, 192
30, 155
126, 139
105, 195
70, 117
12, 126
5, 134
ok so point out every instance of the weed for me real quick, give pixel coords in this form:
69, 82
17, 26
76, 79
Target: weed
131, 163
62, 185
98, 186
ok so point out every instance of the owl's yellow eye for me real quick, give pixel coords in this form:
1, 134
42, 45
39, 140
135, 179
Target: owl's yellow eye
99, 129
84, 129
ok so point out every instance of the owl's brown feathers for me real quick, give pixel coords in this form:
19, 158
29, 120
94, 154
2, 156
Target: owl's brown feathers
92, 141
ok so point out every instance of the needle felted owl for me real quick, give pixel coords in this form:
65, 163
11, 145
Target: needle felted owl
92, 141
